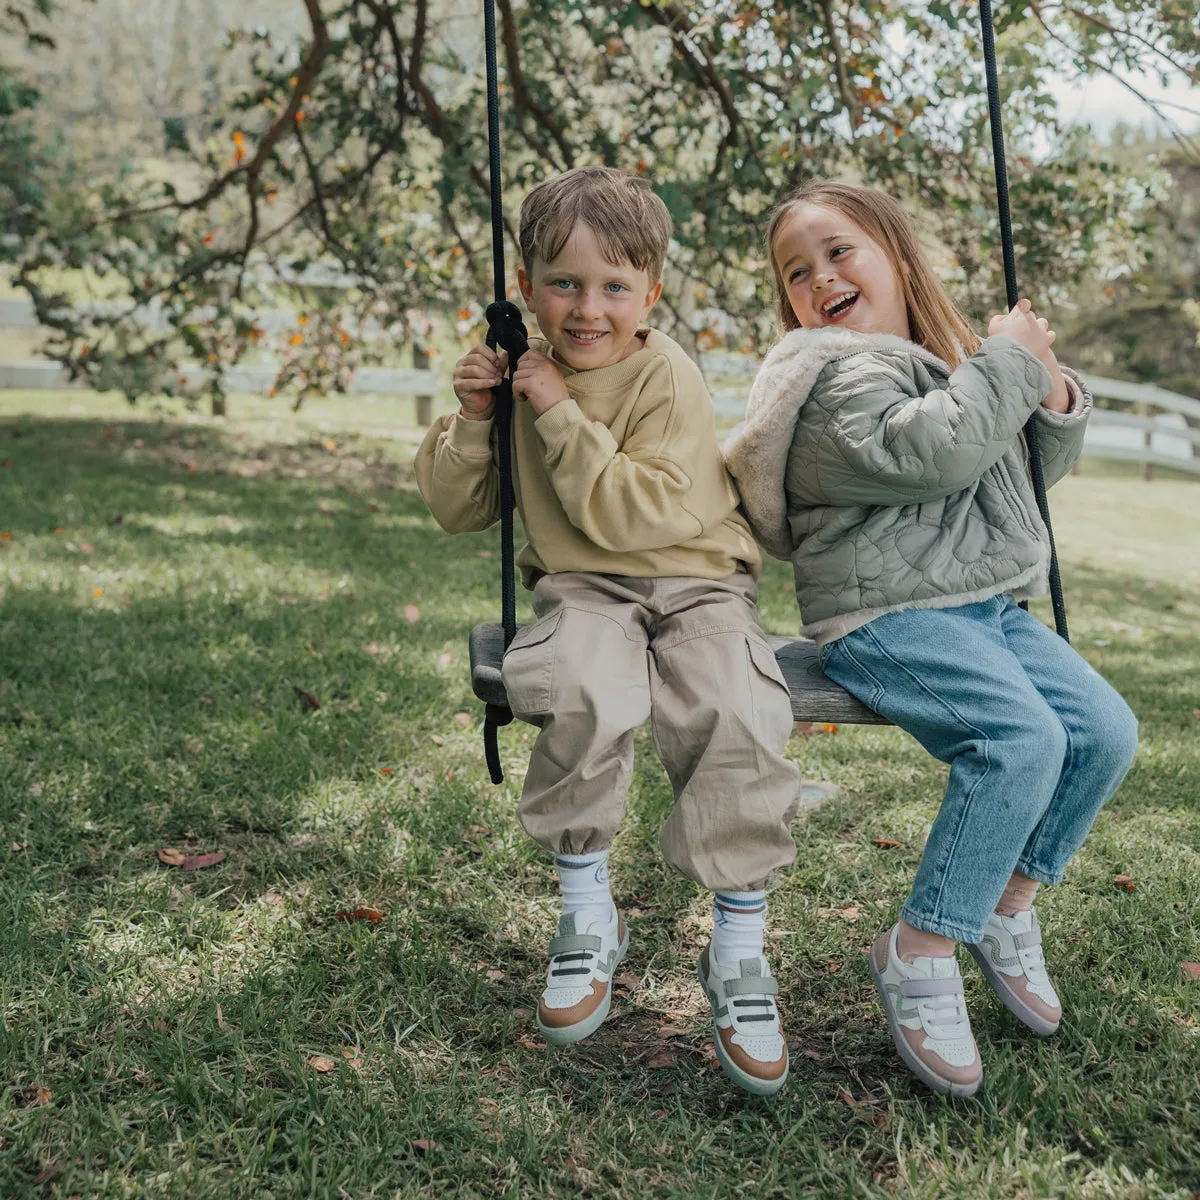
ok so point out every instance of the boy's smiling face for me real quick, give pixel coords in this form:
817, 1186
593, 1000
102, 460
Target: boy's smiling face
588, 309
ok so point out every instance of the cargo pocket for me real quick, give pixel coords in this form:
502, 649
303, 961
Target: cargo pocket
528, 668
772, 698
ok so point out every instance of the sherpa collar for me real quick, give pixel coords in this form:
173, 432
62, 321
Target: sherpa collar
756, 451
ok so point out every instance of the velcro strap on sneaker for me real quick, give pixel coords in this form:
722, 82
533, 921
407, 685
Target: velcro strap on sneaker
1026, 941
917, 989
757, 986
575, 941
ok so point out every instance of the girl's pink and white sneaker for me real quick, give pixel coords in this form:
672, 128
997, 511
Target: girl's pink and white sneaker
927, 1017
1010, 956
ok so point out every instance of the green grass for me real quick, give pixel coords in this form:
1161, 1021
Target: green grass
148, 676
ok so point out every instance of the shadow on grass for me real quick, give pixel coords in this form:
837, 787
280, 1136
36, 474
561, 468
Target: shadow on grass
164, 712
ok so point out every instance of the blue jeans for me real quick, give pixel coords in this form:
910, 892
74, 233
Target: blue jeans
1036, 740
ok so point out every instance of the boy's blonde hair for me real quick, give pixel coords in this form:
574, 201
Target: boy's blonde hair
934, 321
630, 222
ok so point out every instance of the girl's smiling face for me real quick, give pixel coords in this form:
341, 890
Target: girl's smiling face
834, 274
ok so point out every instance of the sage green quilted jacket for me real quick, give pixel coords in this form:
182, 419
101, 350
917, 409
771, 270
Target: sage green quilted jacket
892, 482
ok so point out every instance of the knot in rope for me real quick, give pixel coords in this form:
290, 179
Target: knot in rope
506, 329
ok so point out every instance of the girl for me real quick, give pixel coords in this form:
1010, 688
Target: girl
882, 453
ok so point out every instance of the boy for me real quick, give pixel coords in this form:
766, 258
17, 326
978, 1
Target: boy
642, 573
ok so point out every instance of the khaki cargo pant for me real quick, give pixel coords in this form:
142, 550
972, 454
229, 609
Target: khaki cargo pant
608, 651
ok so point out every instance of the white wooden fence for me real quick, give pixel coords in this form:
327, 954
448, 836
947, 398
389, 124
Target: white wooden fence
1151, 428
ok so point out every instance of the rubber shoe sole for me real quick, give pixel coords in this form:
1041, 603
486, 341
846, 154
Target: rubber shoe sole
565, 1035
1009, 998
943, 1087
744, 1080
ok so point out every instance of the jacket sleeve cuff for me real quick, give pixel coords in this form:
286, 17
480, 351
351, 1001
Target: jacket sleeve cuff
472, 439
1081, 403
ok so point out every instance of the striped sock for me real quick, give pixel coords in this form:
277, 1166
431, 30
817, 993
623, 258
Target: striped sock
739, 922
583, 879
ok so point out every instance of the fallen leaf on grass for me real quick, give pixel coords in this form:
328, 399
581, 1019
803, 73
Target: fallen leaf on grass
412, 613
197, 862
86, 548
664, 1058
886, 843
1125, 881
463, 718
1191, 970
444, 660
850, 914
361, 914
171, 857
847, 1099
494, 975
529, 1044
629, 982
425, 1145
307, 699
321, 1064
670, 1031
1196, 713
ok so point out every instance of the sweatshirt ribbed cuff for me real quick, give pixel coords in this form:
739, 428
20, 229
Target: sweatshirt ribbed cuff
553, 424
471, 437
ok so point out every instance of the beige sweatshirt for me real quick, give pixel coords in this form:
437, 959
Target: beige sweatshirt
625, 477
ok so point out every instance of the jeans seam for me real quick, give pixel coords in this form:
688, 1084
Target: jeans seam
1036, 835
937, 906
879, 688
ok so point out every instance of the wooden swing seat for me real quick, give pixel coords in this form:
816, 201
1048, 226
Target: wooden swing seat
815, 697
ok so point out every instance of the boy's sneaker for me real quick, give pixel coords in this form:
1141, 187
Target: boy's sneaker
1010, 955
749, 1038
583, 956
927, 1017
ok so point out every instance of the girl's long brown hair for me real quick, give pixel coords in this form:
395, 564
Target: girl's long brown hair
933, 319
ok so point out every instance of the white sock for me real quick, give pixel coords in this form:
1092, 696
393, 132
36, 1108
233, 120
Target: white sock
583, 879
739, 922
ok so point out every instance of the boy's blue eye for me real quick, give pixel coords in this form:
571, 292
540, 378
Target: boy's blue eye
562, 284
615, 287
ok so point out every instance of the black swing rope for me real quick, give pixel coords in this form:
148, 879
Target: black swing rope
506, 329
1010, 285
